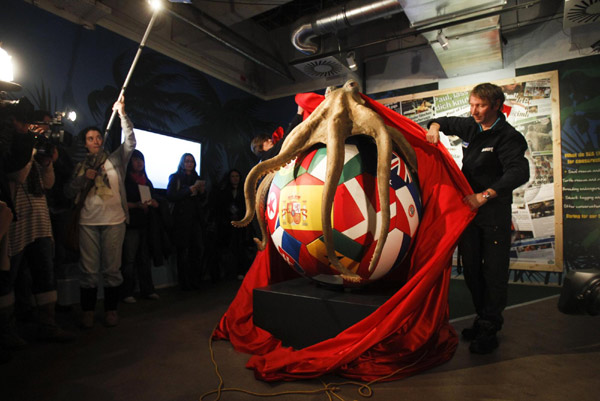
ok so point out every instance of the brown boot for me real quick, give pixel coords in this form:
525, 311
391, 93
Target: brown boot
48, 330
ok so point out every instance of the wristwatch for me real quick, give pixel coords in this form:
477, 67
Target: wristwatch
485, 194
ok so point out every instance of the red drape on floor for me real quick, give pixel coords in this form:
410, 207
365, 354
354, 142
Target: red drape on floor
407, 334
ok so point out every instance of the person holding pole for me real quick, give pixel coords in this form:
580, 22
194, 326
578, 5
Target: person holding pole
98, 186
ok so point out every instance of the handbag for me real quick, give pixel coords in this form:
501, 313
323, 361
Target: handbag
72, 230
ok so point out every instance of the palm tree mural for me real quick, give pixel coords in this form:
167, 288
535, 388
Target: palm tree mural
225, 128
150, 101
163, 95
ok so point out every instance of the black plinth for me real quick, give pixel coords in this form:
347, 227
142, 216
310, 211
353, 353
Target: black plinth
301, 312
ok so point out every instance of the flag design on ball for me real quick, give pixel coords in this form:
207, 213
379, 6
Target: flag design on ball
294, 214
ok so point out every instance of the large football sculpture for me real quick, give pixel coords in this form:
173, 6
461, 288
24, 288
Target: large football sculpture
294, 220
340, 116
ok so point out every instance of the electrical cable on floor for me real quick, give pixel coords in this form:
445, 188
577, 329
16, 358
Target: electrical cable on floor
329, 389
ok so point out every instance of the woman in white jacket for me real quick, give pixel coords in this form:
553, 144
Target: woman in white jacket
98, 183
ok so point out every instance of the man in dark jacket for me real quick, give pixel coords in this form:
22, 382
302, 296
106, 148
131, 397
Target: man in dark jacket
494, 164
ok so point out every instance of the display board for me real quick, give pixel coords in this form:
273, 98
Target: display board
532, 107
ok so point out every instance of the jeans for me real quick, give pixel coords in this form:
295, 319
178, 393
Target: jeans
38, 257
100, 250
136, 262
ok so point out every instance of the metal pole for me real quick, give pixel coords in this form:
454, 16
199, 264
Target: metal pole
130, 73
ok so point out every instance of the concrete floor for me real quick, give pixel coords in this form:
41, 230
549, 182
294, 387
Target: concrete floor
160, 351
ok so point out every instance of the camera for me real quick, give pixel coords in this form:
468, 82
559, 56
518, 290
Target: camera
581, 292
48, 134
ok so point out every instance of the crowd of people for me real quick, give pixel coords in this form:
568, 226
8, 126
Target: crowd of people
106, 212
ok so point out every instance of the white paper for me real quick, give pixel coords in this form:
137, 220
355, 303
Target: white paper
145, 193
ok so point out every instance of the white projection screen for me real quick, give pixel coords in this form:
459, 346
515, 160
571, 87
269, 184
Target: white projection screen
162, 154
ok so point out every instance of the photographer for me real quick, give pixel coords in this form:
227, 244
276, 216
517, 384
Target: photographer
53, 142
30, 239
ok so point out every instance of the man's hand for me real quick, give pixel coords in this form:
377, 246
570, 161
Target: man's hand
433, 135
475, 201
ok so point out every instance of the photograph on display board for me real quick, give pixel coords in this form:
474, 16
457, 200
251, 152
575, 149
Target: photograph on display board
530, 107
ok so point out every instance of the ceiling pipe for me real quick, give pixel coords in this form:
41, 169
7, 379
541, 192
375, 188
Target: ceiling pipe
334, 19
242, 47
417, 32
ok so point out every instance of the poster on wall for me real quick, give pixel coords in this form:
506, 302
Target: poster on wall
531, 106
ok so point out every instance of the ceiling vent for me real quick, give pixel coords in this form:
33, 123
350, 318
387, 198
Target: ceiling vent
322, 68
581, 12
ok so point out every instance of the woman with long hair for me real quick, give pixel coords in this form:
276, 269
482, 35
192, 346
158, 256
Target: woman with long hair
188, 194
136, 252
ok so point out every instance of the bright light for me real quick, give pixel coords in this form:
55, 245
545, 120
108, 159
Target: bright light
6, 67
350, 58
442, 40
155, 4
71, 116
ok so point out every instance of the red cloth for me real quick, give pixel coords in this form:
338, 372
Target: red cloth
277, 135
407, 334
309, 102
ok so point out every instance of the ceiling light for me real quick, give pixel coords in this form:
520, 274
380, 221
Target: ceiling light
155, 4
351, 60
442, 40
6, 67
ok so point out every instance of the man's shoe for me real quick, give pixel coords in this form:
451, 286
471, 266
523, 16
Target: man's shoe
484, 344
471, 333
111, 318
153, 296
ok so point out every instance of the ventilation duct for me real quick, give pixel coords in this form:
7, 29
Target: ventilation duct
581, 12
325, 67
332, 20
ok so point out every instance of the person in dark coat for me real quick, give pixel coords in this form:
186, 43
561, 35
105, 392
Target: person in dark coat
188, 195
234, 243
494, 164
136, 252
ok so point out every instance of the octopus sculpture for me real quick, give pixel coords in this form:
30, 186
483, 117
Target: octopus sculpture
341, 115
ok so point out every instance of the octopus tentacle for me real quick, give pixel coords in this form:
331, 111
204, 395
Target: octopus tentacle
254, 175
299, 140
335, 164
262, 192
384, 155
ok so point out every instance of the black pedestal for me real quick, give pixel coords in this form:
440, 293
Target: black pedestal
301, 312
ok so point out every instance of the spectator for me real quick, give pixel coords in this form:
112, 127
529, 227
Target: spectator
99, 187
136, 253
234, 244
188, 195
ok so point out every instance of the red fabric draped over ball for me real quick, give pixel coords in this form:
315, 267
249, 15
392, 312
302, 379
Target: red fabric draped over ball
407, 334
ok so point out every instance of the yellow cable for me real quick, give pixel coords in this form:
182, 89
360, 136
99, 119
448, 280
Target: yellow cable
329, 389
